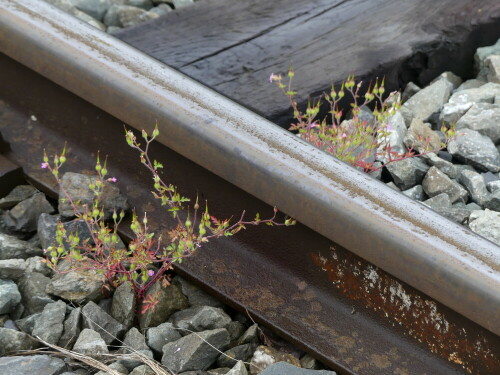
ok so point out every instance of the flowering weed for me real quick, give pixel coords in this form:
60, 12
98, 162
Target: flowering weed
357, 141
148, 256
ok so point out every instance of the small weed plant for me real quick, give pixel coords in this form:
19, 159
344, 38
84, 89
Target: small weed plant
148, 257
358, 142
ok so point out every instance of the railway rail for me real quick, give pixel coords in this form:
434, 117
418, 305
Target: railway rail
370, 282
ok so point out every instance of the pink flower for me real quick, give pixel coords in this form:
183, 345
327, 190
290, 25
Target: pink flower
44, 165
344, 135
271, 78
388, 128
112, 179
151, 273
313, 125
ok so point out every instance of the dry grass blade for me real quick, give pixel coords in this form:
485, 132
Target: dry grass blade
154, 365
82, 358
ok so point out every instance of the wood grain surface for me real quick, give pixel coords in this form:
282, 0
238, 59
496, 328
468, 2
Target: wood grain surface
234, 45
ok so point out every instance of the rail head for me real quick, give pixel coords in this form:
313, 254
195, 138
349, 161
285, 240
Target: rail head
440, 258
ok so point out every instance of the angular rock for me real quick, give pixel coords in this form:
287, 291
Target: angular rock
66, 5
217, 371
126, 16
195, 295
37, 264
488, 177
429, 100
492, 67
12, 269
407, 173
9, 296
483, 94
32, 364
487, 224
309, 362
33, 292
193, 352
462, 100
482, 54
473, 207
436, 182
236, 330
170, 300
439, 202
458, 213
14, 341
158, 336
47, 225
484, 118
134, 17
124, 304
49, 326
476, 150
238, 353
76, 285
23, 217
114, 366
27, 324
397, 132
474, 183
288, 369
17, 195
113, 29
94, 8
71, 329
134, 342
493, 186
142, 370
452, 112
200, 318
410, 90
266, 356
161, 9
182, 3
421, 138
111, 17
13, 248
96, 319
77, 186
444, 166
450, 77
470, 84
90, 343
251, 335
493, 201
88, 19
238, 369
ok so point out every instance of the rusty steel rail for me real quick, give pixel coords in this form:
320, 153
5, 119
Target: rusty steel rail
407, 240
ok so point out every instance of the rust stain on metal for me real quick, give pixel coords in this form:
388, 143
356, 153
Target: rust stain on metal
421, 318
